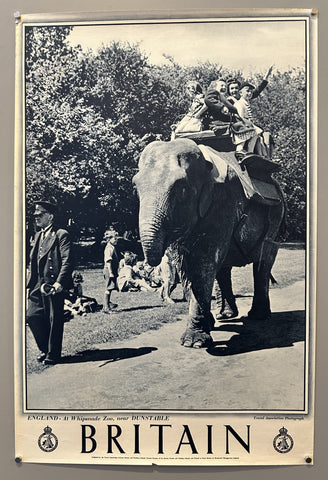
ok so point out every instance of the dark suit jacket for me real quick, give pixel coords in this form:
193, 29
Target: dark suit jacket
215, 102
55, 262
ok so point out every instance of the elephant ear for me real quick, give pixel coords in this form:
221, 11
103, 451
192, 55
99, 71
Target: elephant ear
206, 198
206, 193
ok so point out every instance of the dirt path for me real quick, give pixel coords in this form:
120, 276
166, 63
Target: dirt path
246, 369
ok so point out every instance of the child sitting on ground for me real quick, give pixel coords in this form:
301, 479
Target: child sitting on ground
75, 302
129, 280
77, 284
139, 269
126, 255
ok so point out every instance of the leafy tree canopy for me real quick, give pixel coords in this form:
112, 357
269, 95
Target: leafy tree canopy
86, 114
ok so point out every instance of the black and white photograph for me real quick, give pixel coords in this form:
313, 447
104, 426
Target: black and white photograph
165, 241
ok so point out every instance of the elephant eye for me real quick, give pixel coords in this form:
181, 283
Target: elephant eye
181, 189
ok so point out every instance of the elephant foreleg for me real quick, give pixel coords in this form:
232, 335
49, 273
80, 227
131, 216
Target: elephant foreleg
200, 321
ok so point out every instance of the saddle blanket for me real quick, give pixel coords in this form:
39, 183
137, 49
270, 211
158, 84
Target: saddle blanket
264, 192
220, 167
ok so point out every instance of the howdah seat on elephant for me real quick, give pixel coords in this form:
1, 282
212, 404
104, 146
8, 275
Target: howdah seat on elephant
219, 138
213, 224
255, 173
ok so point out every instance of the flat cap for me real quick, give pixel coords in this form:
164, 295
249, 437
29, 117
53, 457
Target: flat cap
51, 207
246, 84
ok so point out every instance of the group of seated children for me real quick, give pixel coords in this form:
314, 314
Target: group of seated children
227, 102
132, 275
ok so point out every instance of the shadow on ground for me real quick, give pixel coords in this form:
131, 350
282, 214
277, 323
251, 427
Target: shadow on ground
140, 307
107, 355
282, 330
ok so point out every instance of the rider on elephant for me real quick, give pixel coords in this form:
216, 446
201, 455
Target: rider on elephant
233, 87
193, 120
236, 111
219, 108
256, 134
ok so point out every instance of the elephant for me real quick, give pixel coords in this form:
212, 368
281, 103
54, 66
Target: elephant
213, 226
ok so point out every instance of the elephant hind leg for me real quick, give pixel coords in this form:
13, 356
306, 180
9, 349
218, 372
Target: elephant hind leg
225, 298
261, 302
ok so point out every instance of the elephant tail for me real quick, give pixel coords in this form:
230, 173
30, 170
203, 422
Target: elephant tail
281, 234
273, 280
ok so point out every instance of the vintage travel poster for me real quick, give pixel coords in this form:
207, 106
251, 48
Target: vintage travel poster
165, 238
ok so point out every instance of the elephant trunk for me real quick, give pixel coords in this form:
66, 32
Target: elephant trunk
153, 233
153, 245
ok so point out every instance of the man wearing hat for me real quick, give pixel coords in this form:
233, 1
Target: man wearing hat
243, 106
50, 272
234, 86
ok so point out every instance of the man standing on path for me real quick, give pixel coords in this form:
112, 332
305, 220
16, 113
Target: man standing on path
50, 272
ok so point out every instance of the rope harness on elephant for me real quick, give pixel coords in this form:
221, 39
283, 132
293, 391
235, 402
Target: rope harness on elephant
243, 216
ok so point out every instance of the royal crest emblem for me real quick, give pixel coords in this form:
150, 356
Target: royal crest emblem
48, 441
283, 443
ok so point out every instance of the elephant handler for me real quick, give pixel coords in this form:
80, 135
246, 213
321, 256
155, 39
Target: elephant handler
50, 272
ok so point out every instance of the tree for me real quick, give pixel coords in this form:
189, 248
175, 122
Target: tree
73, 152
281, 109
87, 112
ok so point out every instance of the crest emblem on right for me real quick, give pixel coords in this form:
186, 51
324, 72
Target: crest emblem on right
283, 443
